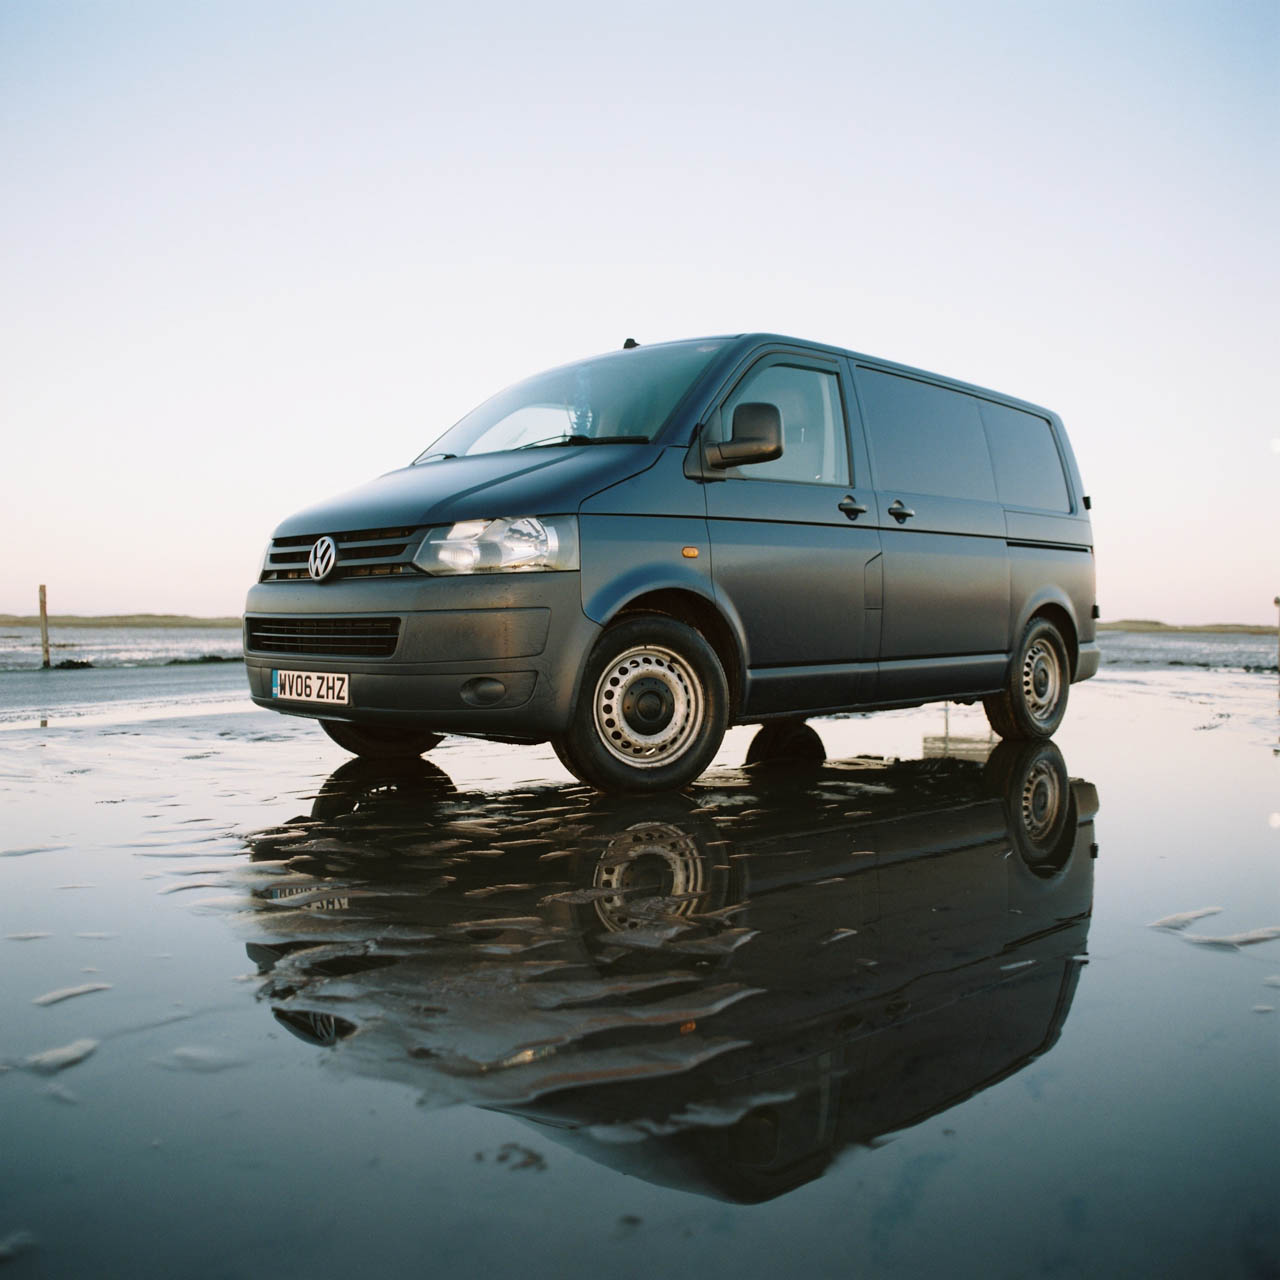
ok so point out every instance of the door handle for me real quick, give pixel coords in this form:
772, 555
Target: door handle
900, 512
851, 507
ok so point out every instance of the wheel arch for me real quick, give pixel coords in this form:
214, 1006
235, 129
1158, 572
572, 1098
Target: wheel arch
697, 611
1058, 611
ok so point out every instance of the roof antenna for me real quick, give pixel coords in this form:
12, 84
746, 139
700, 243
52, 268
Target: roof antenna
630, 342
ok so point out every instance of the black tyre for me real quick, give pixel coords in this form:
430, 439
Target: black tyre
1035, 696
397, 792
379, 742
1032, 779
651, 711
786, 744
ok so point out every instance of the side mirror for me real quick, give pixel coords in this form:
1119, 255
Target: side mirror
757, 437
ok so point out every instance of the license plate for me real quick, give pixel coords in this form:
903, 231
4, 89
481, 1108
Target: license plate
311, 686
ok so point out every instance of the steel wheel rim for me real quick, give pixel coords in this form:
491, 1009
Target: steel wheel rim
1041, 681
652, 672
1041, 801
647, 843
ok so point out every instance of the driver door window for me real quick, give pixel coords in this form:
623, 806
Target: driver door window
814, 450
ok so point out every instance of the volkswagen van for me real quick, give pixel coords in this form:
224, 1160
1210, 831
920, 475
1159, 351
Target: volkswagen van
625, 555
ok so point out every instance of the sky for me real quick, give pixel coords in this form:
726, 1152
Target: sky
253, 254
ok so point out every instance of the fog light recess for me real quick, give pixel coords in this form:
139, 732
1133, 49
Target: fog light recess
483, 691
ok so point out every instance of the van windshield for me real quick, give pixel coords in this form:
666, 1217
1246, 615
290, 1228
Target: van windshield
622, 398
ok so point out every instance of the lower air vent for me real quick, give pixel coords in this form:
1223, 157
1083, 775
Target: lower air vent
344, 637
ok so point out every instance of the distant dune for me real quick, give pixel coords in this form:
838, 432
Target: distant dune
1220, 628
119, 620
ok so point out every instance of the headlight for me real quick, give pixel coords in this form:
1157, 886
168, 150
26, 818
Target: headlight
510, 545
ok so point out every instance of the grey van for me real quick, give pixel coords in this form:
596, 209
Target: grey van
626, 555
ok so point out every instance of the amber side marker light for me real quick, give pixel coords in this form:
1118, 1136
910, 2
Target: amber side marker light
690, 553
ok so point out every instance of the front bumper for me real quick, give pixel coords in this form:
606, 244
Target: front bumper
492, 655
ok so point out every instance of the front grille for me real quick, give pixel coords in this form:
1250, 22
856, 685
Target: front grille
362, 553
325, 637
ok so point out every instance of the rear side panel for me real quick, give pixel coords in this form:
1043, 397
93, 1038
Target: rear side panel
1052, 562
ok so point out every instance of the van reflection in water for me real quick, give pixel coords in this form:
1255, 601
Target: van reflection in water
718, 991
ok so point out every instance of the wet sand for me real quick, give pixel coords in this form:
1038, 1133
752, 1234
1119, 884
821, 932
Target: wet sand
920, 1008
119, 694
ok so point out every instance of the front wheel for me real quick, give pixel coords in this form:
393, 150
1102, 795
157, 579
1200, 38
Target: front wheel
652, 709
1034, 699
379, 742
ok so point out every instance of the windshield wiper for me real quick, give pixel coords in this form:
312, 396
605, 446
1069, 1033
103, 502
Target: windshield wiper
431, 457
572, 440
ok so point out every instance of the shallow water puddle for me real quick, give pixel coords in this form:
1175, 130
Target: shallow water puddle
916, 985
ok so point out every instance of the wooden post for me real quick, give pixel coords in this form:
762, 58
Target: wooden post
44, 628
1276, 602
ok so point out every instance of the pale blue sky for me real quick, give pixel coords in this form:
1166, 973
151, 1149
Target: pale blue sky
254, 253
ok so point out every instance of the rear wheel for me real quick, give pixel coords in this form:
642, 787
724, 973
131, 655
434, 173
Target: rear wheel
1034, 699
1032, 780
786, 744
379, 742
652, 709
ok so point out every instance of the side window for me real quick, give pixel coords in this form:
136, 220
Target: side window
814, 445
925, 439
1023, 452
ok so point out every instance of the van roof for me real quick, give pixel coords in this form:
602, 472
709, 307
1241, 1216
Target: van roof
747, 343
